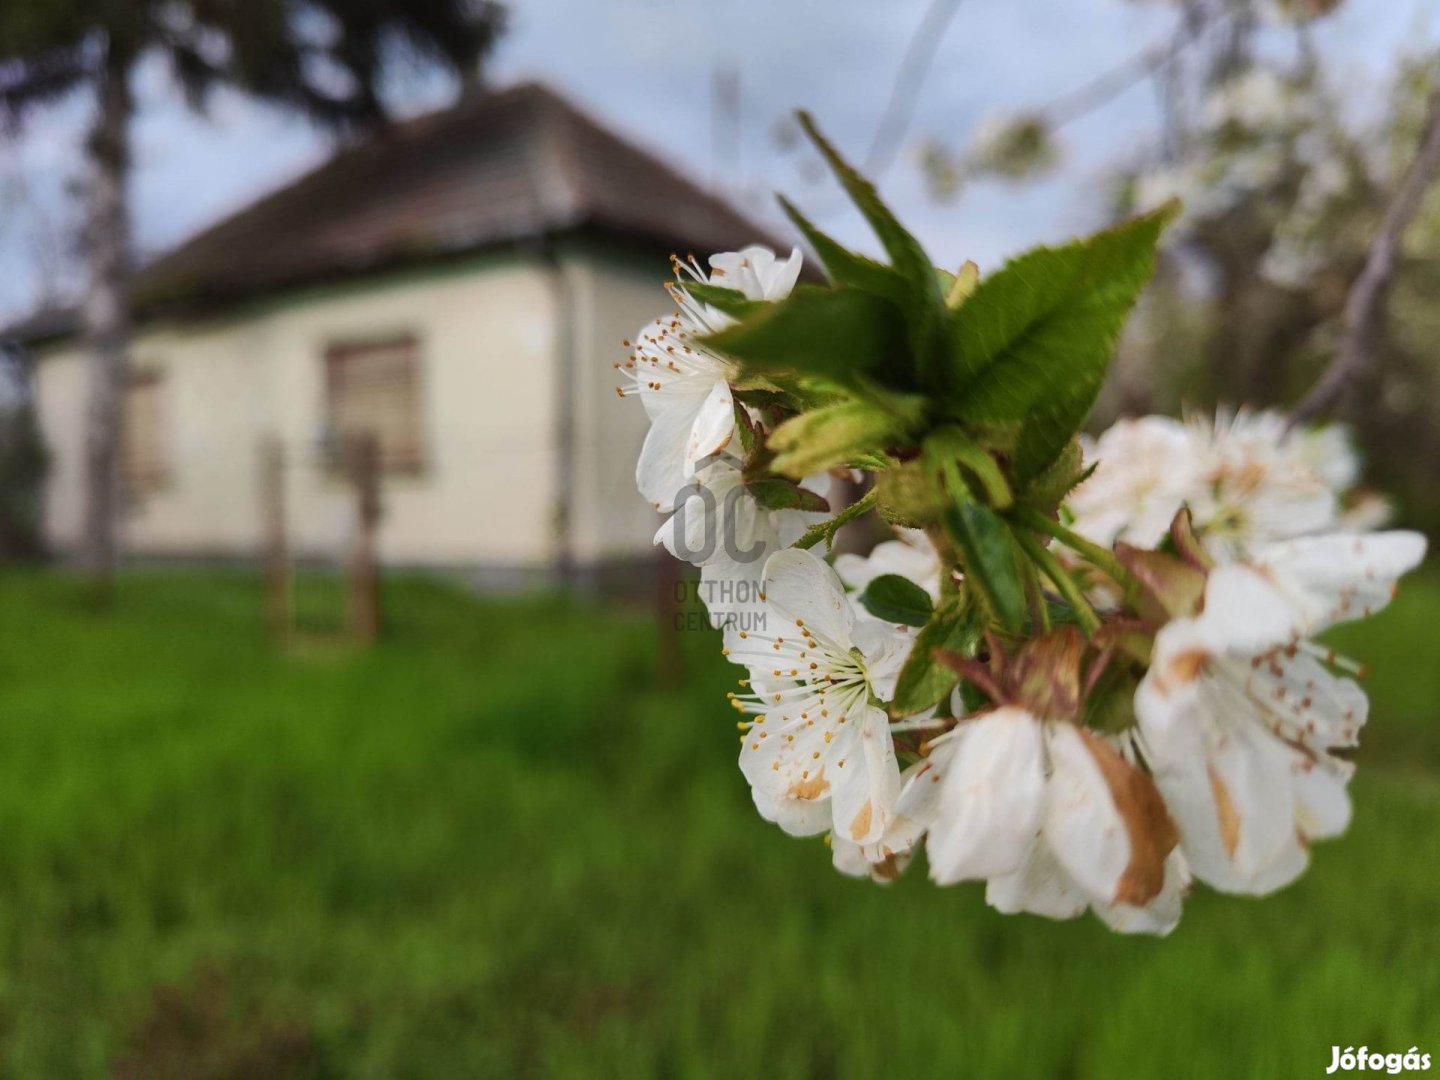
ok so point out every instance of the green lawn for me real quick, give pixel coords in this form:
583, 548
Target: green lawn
492, 848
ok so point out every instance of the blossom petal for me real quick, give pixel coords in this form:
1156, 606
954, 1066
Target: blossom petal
661, 472
798, 817
1302, 701
1160, 915
713, 428
992, 797
851, 859
756, 272
1226, 781
1244, 612
801, 588
867, 786
1322, 804
1335, 578
780, 281
1104, 820
730, 592
1040, 886
885, 647
789, 764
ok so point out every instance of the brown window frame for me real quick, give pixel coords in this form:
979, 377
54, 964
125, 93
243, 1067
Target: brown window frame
409, 460
139, 480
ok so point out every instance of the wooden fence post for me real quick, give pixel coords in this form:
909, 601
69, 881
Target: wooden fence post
278, 598
364, 455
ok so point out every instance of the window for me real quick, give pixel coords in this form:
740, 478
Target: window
145, 464
374, 389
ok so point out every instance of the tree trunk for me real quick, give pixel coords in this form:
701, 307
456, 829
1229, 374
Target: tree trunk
106, 317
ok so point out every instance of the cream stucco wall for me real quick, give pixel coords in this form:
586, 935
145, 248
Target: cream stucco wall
489, 336
613, 299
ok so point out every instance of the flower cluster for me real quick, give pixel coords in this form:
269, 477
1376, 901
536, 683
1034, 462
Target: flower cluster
1245, 478
1083, 673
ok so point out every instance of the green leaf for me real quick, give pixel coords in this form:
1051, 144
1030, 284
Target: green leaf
988, 558
831, 435
895, 599
777, 493
1034, 340
837, 333
844, 266
956, 627
924, 302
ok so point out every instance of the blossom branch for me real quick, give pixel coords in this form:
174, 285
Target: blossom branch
1363, 304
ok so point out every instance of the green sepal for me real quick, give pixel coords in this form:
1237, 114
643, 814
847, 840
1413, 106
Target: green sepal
777, 493
831, 435
1048, 489
949, 445
1110, 706
750, 438
956, 627
911, 494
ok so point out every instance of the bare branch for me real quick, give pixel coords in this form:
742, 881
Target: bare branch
905, 95
1358, 320
1150, 60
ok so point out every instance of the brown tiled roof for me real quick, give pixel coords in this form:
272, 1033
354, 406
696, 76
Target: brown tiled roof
493, 170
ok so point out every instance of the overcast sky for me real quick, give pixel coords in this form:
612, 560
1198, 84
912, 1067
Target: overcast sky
645, 67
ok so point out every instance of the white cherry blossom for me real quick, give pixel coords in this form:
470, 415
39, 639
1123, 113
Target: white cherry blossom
1239, 711
721, 528
685, 387
819, 754
756, 272
1260, 483
1145, 470
1246, 479
1052, 817
911, 556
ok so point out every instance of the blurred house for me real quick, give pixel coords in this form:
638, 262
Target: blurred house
458, 286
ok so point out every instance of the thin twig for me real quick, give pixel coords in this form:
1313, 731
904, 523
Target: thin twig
1068, 107
905, 94
1358, 320
1071, 106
